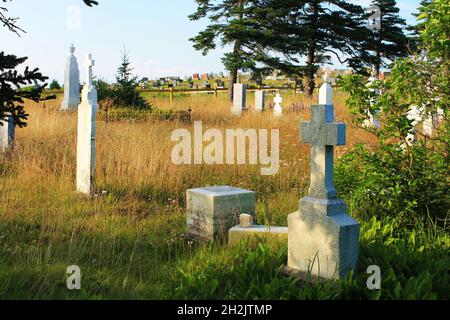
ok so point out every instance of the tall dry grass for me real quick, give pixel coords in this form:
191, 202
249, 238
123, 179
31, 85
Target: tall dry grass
127, 239
133, 159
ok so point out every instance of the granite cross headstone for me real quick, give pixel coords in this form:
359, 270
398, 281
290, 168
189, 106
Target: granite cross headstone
323, 239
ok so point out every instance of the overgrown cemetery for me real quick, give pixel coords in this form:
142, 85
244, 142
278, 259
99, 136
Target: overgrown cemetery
324, 186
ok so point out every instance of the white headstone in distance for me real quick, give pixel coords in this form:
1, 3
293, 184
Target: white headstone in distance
323, 239
428, 125
415, 116
260, 101
7, 134
278, 110
71, 84
373, 120
86, 133
239, 98
326, 91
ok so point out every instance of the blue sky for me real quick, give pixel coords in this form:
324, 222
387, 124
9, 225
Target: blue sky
156, 33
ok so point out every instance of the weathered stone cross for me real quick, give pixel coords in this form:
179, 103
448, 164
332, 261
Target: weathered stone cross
323, 134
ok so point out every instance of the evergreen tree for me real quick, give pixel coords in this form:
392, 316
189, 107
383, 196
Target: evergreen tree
54, 85
125, 90
230, 26
389, 41
312, 31
11, 95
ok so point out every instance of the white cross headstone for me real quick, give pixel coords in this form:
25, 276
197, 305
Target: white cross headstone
278, 110
71, 83
86, 133
260, 101
7, 134
323, 239
415, 116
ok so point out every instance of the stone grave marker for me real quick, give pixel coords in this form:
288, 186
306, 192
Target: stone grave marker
246, 230
323, 239
86, 133
326, 91
260, 101
239, 98
212, 211
373, 120
7, 134
278, 110
71, 83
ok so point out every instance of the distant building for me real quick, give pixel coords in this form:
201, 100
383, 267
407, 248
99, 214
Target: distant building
195, 77
205, 76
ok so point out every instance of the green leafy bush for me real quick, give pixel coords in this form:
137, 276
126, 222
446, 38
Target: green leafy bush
396, 178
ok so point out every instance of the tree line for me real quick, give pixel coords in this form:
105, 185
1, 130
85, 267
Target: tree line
296, 37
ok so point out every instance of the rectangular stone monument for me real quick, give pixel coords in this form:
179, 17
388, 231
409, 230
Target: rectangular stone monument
7, 134
86, 133
239, 97
260, 101
212, 211
323, 239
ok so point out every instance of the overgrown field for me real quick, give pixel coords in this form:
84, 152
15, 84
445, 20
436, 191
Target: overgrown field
129, 238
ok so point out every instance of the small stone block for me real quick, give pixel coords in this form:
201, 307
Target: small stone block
237, 234
246, 220
212, 211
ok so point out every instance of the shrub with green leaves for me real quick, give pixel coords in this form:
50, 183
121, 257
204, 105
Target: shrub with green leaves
395, 178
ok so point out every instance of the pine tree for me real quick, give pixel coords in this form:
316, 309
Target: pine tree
230, 26
125, 90
11, 81
389, 41
313, 31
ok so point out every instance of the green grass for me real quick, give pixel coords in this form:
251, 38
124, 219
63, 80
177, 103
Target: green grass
133, 249
130, 243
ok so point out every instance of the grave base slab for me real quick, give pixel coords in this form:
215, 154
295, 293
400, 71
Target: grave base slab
259, 233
